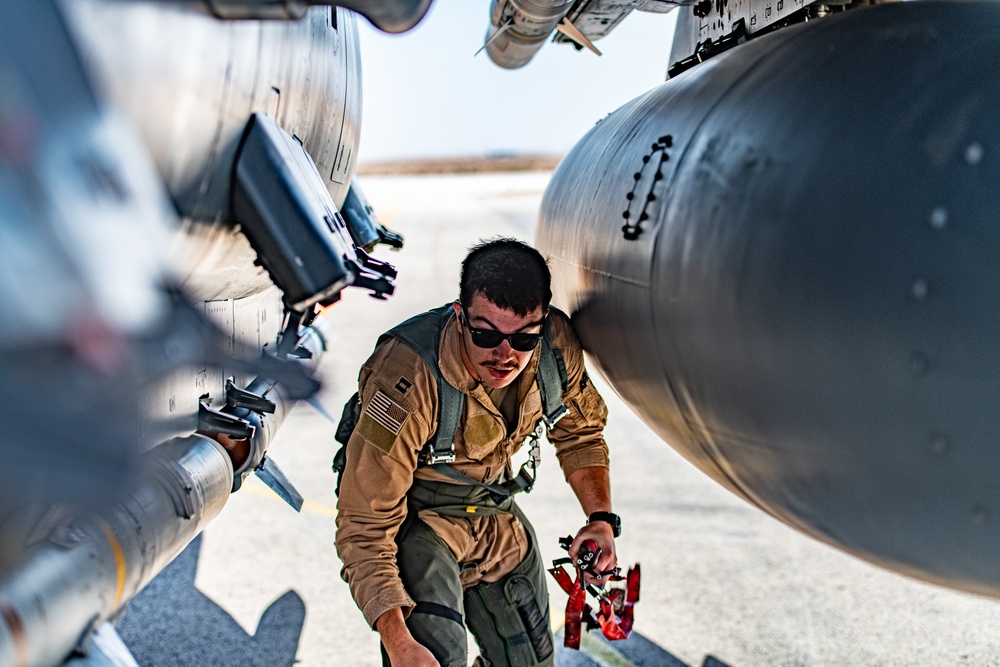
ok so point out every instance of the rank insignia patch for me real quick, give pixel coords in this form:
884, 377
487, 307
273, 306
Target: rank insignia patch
388, 413
403, 386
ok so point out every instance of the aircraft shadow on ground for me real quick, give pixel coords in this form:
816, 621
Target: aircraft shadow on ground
172, 623
636, 650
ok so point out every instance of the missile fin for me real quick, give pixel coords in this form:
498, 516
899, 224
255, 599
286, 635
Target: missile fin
495, 36
271, 474
567, 28
104, 649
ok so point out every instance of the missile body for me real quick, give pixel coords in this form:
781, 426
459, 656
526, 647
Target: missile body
519, 28
785, 261
81, 575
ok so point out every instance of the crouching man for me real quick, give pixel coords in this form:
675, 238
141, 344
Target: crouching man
428, 529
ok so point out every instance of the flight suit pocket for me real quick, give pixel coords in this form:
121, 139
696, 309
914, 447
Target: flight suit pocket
590, 404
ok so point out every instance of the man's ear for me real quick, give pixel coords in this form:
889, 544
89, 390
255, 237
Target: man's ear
458, 312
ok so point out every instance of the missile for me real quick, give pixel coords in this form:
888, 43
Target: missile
518, 28
785, 261
64, 586
81, 575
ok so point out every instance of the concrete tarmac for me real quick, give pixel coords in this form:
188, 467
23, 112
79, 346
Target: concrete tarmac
723, 584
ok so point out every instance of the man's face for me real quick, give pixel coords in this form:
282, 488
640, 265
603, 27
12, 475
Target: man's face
499, 366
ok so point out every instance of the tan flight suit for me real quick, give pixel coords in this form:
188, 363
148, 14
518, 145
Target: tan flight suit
399, 396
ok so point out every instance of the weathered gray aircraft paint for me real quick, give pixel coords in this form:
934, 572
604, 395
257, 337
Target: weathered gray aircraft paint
785, 263
171, 182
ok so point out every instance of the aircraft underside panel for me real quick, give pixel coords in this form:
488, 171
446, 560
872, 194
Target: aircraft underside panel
785, 261
169, 408
192, 104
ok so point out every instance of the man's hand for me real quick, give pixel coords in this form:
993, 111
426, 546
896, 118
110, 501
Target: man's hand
402, 648
413, 653
593, 490
601, 533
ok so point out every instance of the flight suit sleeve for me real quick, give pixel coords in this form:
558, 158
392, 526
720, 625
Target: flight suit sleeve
579, 436
397, 395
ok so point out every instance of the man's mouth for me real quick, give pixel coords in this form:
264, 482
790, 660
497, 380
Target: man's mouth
500, 372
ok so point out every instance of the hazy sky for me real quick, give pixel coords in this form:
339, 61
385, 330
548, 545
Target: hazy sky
426, 95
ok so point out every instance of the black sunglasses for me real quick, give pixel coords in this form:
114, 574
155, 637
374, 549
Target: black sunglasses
488, 338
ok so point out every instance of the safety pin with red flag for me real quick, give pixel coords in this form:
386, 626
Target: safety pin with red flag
615, 607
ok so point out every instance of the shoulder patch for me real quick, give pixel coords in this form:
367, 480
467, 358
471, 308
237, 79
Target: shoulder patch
403, 385
375, 434
381, 421
387, 412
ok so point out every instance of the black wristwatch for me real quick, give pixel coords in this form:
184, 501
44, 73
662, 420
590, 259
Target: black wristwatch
608, 517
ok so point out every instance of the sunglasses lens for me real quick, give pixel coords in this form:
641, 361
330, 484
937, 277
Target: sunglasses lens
524, 342
488, 339
485, 338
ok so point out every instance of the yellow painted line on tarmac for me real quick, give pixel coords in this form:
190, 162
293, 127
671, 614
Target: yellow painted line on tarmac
307, 505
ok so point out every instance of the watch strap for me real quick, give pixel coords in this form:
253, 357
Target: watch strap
610, 518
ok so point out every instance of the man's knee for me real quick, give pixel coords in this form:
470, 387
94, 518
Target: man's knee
430, 575
442, 630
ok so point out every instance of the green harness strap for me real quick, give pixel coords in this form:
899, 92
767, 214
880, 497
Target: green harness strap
423, 334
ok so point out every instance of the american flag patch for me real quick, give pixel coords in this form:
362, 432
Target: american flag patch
387, 412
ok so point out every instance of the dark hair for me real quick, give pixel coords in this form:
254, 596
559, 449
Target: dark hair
508, 272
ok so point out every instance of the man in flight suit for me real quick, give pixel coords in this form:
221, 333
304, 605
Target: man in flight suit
425, 555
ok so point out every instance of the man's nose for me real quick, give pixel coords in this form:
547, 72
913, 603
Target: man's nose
505, 350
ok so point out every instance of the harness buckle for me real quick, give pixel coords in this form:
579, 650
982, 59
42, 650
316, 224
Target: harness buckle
430, 456
557, 414
434, 458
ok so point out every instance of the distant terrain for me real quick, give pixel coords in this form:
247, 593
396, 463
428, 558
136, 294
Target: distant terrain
460, 165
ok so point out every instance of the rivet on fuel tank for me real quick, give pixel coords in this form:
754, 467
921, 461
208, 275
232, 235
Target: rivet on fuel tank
939, 217
940, 443
919, 363
981, 514
973, 153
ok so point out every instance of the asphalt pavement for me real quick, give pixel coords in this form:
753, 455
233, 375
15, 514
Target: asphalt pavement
723, 584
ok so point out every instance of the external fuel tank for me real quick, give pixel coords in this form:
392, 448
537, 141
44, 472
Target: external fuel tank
785, 260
